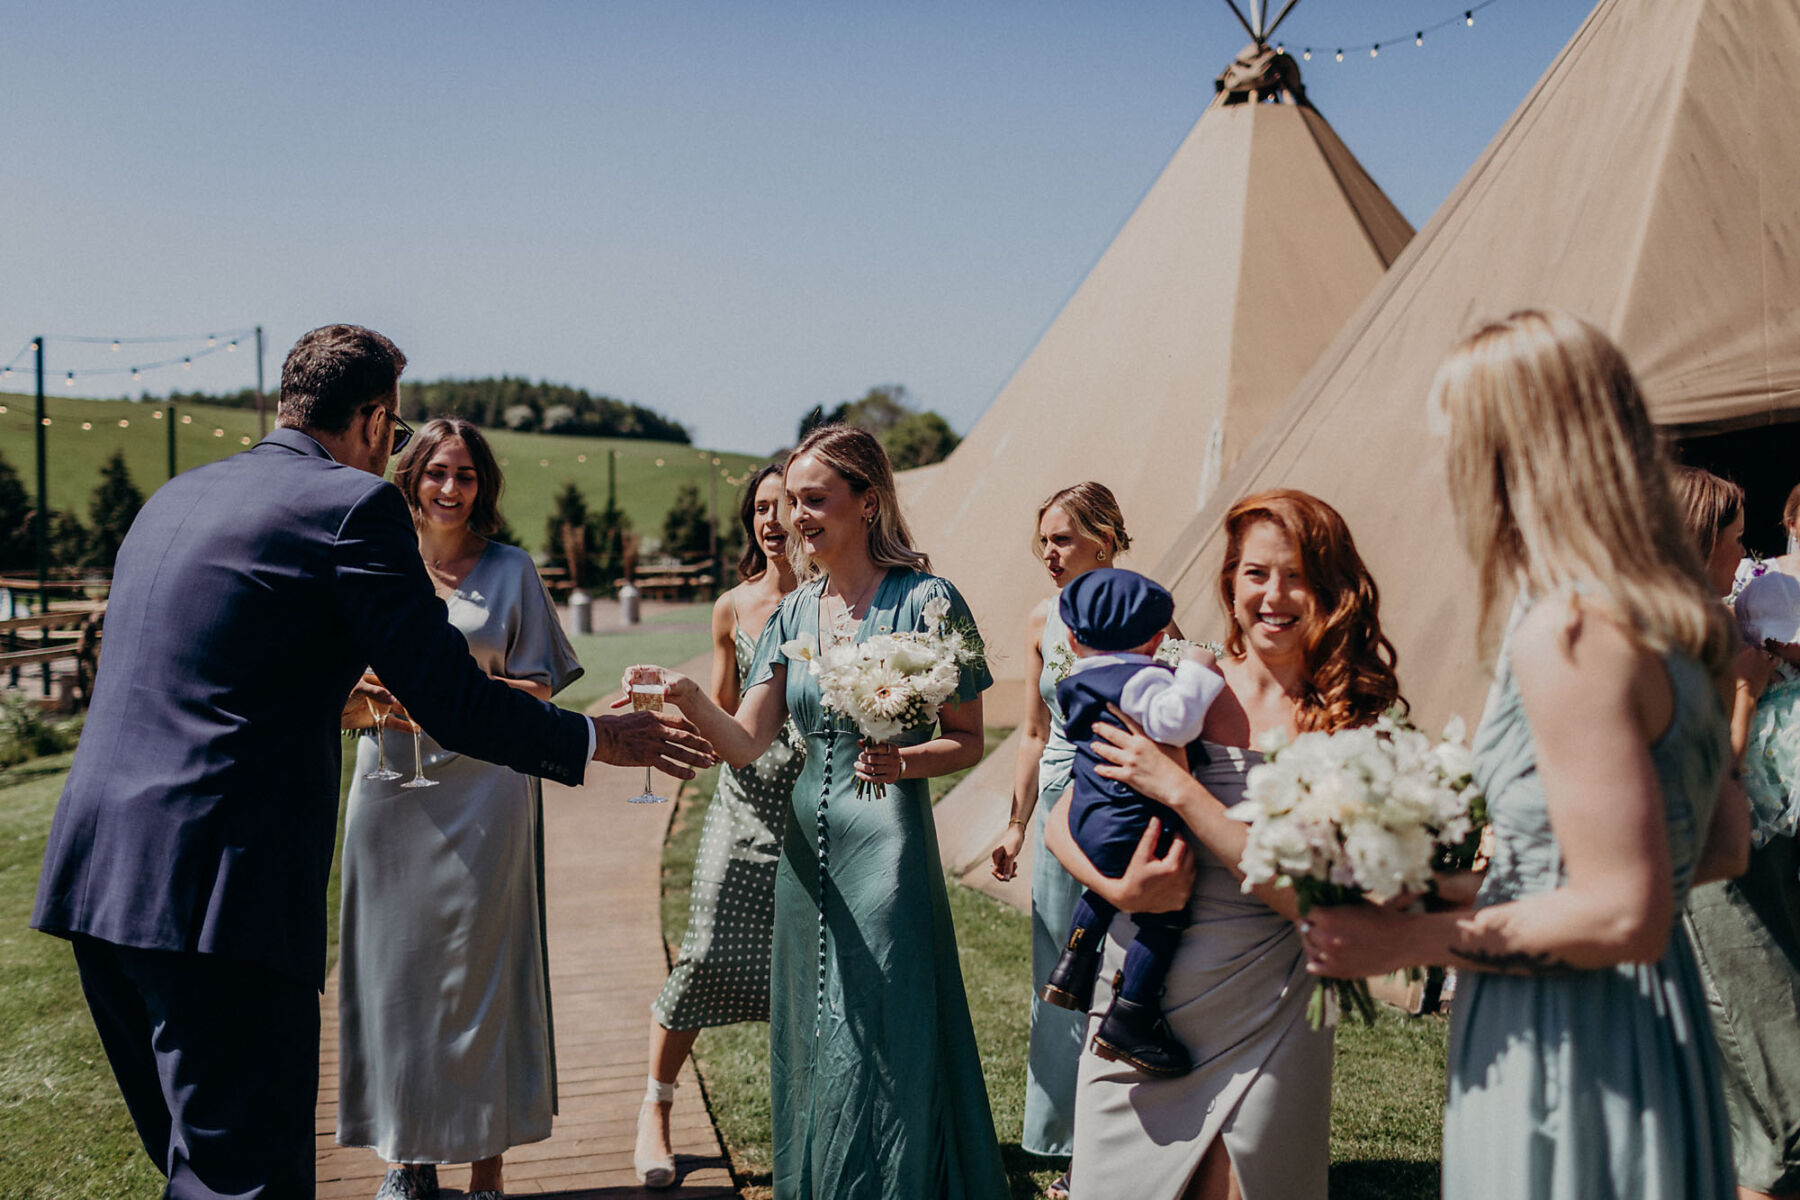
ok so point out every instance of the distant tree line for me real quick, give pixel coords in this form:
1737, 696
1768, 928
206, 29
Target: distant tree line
73, 545
912, 437
506, 403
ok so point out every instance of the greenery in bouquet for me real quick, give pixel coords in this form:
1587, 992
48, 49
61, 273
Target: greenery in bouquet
892, 682
1359, 815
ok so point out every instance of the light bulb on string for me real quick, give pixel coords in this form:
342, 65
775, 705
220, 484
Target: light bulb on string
1280, 49
211, 340
70, 380
232, 346
1307, 54
1469, 17
115, 345
136, 374
1340, 56
1375, 50
187, 364
1419, 38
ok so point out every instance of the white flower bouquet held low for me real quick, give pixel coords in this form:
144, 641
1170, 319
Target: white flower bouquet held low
892, 682
1359, 814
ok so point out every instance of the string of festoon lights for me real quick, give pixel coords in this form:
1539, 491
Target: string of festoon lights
204, 345
1373, 48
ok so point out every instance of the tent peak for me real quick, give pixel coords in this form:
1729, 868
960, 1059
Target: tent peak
1260, 74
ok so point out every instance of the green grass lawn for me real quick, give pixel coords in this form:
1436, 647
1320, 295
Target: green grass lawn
536, 465
1387, 1092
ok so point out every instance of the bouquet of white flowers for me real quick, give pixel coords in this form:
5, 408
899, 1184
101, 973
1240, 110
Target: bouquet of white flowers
1173, 650
891, 682
1359, 813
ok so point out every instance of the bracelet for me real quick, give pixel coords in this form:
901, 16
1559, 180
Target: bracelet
901, 759
1021, 822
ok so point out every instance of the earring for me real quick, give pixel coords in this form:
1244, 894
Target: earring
1100, 557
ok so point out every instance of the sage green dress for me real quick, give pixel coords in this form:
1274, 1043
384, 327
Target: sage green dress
1599, 1084
877, 1086
1056, 1033
721, 976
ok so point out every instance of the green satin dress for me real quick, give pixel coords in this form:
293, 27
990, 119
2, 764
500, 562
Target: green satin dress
1598, 1084
877, 1085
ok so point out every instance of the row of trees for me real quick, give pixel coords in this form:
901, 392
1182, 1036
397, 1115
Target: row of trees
595, 547
508, 403
912, 437
112, 507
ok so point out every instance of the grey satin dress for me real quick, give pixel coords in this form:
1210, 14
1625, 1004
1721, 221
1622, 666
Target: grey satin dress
444, 1033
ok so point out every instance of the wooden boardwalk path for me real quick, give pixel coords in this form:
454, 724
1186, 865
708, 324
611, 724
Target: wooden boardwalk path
603, 875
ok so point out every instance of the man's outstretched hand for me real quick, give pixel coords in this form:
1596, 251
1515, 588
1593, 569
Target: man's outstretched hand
667, 741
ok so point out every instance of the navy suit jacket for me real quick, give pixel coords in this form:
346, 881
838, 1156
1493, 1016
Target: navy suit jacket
201, 809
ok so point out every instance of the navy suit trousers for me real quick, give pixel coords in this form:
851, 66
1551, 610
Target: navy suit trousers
218, 1060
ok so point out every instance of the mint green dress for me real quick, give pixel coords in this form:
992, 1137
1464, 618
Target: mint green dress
721, 975
877, 1086
1056, 1033
1589, 1085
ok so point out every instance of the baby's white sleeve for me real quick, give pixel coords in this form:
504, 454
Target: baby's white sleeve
1171, 705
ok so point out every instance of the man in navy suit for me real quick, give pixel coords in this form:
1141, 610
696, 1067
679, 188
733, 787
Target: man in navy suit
188, 856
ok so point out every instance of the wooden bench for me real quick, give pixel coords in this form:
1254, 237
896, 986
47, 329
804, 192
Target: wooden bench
674, 583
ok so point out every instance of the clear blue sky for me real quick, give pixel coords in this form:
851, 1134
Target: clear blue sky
729, 210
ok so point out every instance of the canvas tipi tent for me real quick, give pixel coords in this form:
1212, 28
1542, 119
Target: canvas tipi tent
1650, 182
1261, 236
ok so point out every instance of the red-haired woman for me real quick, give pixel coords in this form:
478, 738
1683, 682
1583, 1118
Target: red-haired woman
1304, 651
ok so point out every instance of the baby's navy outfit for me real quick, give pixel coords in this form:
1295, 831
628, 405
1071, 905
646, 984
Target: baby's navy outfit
1111, 611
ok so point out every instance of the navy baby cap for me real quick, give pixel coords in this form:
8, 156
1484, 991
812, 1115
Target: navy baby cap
1108, 609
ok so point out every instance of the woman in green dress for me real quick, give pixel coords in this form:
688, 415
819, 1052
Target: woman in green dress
1079, 528
1582, 1060
721, 975
877, 1087
1744, 930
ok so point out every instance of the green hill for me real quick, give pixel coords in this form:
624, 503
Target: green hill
82, 433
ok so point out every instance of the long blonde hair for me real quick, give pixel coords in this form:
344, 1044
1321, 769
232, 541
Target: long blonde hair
857, 456
1559, 481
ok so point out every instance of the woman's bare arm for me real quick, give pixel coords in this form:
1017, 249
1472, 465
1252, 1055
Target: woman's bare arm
725, 682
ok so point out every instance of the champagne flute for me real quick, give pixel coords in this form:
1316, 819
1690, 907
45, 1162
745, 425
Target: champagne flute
418, 780
647, 693
382, 771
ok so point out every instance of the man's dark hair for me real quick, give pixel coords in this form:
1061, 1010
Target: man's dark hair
333, 373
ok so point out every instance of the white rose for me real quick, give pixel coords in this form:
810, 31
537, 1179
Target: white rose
936, 609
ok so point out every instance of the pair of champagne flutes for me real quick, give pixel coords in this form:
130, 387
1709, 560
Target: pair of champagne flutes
647, 693
382, 771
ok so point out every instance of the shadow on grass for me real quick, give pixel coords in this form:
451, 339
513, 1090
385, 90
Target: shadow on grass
36, 768
1384, 1179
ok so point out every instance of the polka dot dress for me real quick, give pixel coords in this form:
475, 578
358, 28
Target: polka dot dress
721, 976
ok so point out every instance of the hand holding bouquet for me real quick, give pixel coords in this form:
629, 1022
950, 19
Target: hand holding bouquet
892, 682
1360, 813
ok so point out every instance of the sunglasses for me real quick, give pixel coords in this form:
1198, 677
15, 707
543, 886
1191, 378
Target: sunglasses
403, 433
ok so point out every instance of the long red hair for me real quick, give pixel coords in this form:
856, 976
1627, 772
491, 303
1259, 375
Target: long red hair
1349, 661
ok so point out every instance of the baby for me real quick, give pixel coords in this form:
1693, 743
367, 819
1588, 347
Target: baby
1116, 621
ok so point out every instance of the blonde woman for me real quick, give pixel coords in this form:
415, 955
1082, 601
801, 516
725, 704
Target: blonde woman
878, 1091
1582, 1062
1079, 528
1744, 929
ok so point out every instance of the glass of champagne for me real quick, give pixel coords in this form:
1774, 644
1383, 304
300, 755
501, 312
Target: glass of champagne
418, 780
647, 693
382, 771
